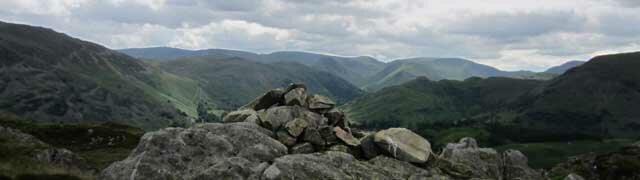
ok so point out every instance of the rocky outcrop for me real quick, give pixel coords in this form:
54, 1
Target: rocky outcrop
466, 159
403, 144
287, 134
623, 164
218, 151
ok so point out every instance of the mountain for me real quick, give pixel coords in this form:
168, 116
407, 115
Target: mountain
592, 101
167, 53
234, 81
597, 98
427, 106
353, 69
561, 69
50, 77
404, 70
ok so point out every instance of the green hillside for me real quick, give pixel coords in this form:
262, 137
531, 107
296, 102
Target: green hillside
51, 77
232, 82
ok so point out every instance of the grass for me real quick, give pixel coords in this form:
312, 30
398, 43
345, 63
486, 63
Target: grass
546, 155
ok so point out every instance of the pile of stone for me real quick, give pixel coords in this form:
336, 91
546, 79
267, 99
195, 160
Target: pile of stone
289, 134
311, 123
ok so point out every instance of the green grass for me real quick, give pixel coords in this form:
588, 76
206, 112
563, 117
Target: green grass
546, 155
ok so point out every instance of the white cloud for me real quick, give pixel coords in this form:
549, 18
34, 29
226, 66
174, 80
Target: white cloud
529, 34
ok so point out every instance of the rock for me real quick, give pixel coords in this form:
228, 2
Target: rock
275, 117
312, 135
297, 96
296, 127
338, 165
573, 176
60, 157
246, 115
223, 151
328, 135
303, 148
466, 156
271, 98
346, 137
319, 102
285, 138
336, 118
515, 166
369, 148
339, 148
403, 144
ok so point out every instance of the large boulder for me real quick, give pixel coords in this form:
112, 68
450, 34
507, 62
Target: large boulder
346, 137
573, 176
296, 96
482, 162
319, 102
403, 144
243, 115
218, 151
339, 165
515, 166
270, 98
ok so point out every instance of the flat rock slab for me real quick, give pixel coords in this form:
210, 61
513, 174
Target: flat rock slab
403, 144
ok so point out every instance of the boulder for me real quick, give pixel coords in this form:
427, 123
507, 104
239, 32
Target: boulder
297, 96
319, 102
369, 148
573, 176
336, 118
223, 151
515, 166
339, 148
296, 127
328, 135
346, 137
275, 117
313, 136
403, 144
245, 115
268, 99
482, 162
332, 165
285, 138
303, 148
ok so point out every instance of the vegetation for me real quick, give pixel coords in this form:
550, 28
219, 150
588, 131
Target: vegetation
99, 144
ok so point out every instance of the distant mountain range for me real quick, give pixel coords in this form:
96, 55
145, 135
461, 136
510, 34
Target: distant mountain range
561, 69
51, 77
365, 72
596, 100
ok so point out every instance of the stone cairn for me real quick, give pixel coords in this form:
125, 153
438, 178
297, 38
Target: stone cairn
311, 123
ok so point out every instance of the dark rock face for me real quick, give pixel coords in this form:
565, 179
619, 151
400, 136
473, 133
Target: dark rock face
623, 164
291, 135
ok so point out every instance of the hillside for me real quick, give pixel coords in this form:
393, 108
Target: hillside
561, 69
232, 82
51, 77
401, 71
595, 99
356, 70
429, 106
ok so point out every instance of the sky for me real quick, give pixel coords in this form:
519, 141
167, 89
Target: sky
507, 34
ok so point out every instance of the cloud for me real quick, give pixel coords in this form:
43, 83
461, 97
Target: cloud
527, 35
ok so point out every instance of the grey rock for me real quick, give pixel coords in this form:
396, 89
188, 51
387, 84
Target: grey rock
275, 117
515, 166
466, 156
312, 135
245, 115
336, 118
269, 99
303, 148
319, 102
369, 148
346, 137
296, 127
338, 165
223, 151
328, 135
285, 138
297, 96
339, 148
573, 176
403, 144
